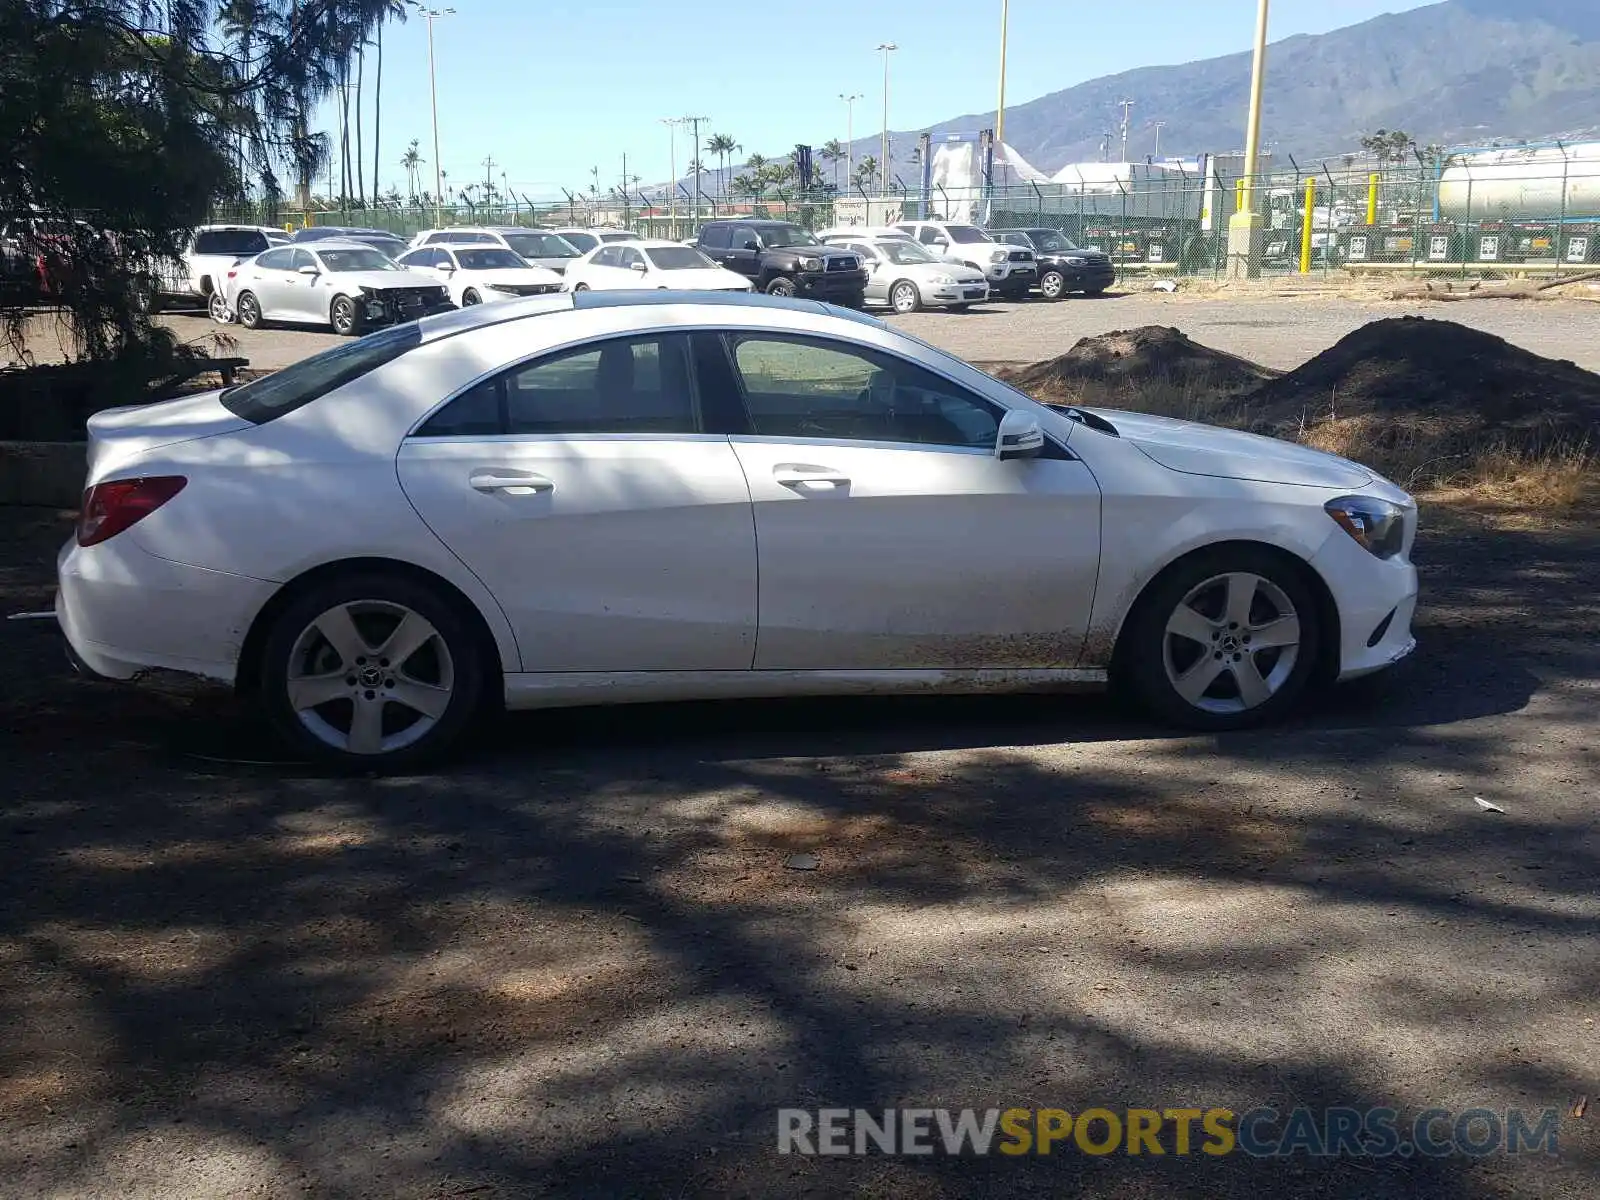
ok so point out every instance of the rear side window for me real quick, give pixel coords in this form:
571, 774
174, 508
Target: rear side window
626, 385
230, 241
715, 236
272, 396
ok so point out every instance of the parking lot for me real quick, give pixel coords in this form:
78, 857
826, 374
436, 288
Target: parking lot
1279, 330
585, 960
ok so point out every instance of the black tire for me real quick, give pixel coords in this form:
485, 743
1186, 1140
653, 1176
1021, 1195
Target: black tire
468, 673
898, 291
470, 296
247, 309
781, 285
345, 317
1148, 656
1053, 285
580, 287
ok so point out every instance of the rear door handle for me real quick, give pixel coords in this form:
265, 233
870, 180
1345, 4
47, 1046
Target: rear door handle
803, 477
513, 483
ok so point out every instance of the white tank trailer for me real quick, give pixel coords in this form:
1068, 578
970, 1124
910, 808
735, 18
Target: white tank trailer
1531, 183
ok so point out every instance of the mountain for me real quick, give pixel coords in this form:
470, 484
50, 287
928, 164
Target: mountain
1461, 72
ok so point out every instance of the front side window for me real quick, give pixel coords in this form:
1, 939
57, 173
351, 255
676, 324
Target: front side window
272, 396
627, 385
302, 258
744, 238
276, 260
928, 235
799, 388
609, 257
630, 258
905, 253
1056, 242
788, 235
967, 234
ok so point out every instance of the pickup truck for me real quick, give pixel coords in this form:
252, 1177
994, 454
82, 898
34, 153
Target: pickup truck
198, 275
786, 260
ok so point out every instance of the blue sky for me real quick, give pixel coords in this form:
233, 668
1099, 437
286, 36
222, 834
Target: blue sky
551, 89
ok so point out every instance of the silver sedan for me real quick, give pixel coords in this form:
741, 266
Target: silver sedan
907, 277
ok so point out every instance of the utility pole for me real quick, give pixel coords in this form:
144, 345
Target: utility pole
888, 48
672, 124
696, 122
849, 136
1159, 126
1000, 114
1244, 252
1127, 108
489, 165
431, 15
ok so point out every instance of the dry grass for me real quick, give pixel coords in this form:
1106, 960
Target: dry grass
1449, 462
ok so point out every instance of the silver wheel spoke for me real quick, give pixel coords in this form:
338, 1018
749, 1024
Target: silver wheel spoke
422, 698
342, 635
1241, 596
1253, 689
366, 727
1285, 631
1187, 623
1192, 684
308, 691
412, 634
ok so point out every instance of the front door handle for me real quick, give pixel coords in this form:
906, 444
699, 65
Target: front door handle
516, 483
811, 480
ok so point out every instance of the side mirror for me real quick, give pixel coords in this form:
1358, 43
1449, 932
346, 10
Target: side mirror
1020, 436
309, 271
752, 245
640, 267
448, 268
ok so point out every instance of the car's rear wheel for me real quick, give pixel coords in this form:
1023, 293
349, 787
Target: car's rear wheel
372, 671
217, 306
904, 297
470, 296
1223, 639
781, 286
580, 287
344, 317
248, 310
1053, 285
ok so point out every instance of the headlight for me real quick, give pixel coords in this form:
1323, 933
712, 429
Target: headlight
1379, 526
944, 279
1077, 262
368, 292
999, 256
811, 264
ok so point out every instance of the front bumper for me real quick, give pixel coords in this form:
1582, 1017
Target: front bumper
831, 284
126, 613
964, 292
379, 308
1376, 599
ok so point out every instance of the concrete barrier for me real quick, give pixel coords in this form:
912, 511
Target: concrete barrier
47, 474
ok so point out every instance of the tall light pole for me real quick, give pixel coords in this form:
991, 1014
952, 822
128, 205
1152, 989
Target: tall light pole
883, 163
431, 15
1000, 110
1160, 125
1127, 108
849, 135
672, 124
1244, 254
696, 122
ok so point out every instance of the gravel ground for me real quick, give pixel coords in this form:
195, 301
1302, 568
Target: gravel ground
1280, 331
577, 965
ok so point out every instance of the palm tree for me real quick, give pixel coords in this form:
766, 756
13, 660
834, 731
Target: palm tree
866, 171
722, 145
833, 154
412, 161
387, 10
240, 20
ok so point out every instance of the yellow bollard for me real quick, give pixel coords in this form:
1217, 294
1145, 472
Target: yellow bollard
1306, 224
1372, 198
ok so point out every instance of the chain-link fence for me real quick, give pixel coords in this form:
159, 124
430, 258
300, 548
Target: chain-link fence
1459, 218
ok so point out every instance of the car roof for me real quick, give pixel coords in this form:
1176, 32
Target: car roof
336, 243
658, 244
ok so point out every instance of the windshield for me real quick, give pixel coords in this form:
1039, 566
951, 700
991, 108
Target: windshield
788, 235
1052, 241
488, 260
678, 258
541, 245
967, 234
355, 260
904, 253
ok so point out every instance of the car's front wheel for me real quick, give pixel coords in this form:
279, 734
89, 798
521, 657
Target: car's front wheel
344, 318
781, 286
470, 296
904, 297
372, 671
1223, 639
1052, 285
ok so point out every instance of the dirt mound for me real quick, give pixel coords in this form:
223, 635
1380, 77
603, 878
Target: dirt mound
1135, 360
1440, 376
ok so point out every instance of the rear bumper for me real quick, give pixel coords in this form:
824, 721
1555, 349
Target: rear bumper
127, 615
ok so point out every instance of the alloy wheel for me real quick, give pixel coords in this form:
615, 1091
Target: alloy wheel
1053, 285
370, 677
904, 298
1231, 644
249, 310
217, 306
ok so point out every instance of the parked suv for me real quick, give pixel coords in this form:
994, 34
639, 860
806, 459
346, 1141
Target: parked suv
1011, 270
539, 247
786, 260
1064, 266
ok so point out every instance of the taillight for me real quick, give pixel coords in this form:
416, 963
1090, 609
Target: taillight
109, 508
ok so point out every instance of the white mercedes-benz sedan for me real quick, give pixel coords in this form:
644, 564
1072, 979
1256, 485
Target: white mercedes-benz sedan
616, 496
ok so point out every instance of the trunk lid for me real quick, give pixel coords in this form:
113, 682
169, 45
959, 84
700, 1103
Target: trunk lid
117, 436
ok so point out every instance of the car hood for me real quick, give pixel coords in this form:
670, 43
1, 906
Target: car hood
383, 279
959, 271
1228, 454
519, 275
